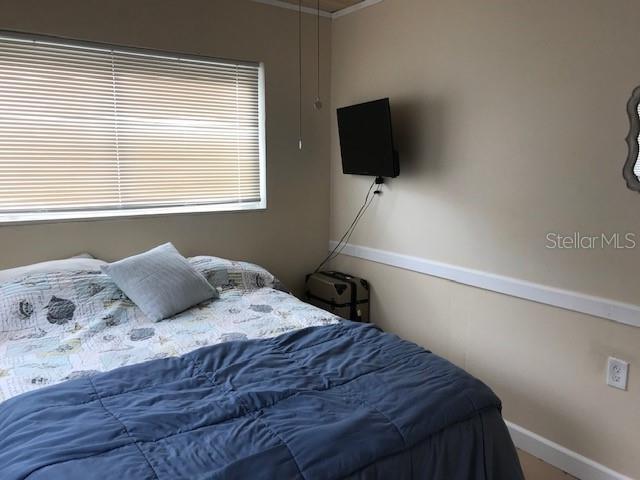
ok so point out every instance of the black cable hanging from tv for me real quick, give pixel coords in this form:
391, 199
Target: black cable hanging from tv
344, 240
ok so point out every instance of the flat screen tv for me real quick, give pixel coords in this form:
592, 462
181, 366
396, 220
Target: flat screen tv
366, 140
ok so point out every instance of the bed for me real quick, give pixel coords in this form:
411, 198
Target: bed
255, 384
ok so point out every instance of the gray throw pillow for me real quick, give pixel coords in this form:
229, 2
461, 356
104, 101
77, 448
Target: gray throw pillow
161, 282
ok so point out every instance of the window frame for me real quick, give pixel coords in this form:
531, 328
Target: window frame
633, 182
47, 216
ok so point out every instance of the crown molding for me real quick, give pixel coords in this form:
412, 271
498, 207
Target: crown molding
323, 13
291, 6
354, 8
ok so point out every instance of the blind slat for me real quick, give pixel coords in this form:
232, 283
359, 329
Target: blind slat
99, 128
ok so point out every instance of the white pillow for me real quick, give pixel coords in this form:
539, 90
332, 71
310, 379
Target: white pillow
161, 282
82, 262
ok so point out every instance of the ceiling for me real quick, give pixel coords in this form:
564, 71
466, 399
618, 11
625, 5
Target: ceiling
326, 5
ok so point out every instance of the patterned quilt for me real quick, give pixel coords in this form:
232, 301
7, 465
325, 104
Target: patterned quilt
65, 325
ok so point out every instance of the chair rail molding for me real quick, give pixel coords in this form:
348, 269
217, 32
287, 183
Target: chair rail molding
610, 309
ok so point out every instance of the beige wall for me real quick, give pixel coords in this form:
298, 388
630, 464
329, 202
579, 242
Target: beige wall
510, 120
291, 235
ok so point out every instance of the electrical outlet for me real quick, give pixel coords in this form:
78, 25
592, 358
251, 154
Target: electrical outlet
617, 373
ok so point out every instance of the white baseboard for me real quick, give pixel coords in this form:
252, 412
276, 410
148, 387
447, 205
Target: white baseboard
626, 313
560, 457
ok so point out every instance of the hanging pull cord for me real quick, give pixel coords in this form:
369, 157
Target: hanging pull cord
299, 74
318, 103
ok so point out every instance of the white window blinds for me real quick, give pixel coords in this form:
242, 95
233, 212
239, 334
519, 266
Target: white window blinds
98, 131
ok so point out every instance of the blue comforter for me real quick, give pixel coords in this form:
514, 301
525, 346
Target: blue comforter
342, 401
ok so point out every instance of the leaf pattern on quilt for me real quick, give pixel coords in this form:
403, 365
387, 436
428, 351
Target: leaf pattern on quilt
25, 309
261, 308
139, 334
60, 310
59, 326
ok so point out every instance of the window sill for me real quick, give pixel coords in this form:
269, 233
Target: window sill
88, 215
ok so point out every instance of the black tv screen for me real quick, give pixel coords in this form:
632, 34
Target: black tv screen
366, 139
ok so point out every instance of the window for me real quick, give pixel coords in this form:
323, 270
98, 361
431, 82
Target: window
632, 166
97, 131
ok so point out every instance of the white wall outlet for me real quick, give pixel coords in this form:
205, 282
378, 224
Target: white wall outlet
617, 373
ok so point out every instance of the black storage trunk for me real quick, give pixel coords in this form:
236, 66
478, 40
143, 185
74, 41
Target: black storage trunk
339, 293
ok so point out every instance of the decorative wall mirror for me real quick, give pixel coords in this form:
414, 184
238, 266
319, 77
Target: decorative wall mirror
632, 167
